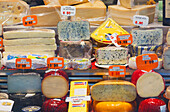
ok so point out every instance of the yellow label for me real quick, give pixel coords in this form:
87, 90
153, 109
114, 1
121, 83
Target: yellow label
167, 9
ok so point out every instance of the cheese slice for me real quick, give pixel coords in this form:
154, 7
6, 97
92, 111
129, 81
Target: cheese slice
29, 48
33, 33
95, 12
166, 58
29, 41
124, 16
168, 39
127, 3
47, 15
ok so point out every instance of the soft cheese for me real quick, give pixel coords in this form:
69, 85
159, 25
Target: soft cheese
166, 58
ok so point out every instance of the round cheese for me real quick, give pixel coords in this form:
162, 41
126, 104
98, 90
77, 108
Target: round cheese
81, 64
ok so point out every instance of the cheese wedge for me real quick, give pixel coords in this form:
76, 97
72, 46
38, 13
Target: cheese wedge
124, 16
95, 12
30, 41
29, 48
47, 15
168, 39
127, 3
63, 2
33, 33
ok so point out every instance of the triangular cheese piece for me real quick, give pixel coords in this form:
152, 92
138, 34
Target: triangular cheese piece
127, 3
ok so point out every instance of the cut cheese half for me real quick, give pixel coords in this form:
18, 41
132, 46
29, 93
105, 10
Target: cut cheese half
113, 91
127, 3
150, 85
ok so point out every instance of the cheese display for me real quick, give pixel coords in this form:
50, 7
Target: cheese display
166, 58
54, 105
74, 31
113, 107
127, 3
75, 49
30, 83
111, 55
152, 105
167, 92
113, 91
93, 12
123, 16
132, 63
137, 50
168, 39
63, 2
3, 96
147, 36
148, 84
51, 85
12, 11
81, 64
47, 15
109, 27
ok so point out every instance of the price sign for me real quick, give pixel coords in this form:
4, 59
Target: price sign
1, 42
124, 39
117, 71
29, 20
78, 99
6, 105
23, 63
147, 62
55, 62
68, 10
140, 20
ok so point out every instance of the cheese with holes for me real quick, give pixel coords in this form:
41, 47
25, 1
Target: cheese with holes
95, 12
168, 38
111, 56
32, 33
113, 91
12, 11
124, 16
166, 58
127, 3
74, 31
147, 36
47, 15
63, 2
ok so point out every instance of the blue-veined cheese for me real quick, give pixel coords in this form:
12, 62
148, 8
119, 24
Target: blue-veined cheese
166, 58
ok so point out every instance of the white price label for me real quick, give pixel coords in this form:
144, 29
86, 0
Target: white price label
6, 105
68, 10
113, 38
140, 20
78, 99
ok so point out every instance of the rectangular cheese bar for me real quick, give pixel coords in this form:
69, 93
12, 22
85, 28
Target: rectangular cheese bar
26, 33
29, 48
111, 56
95, 12
29, 41
47, 15
166, 58
123, 16
168, 39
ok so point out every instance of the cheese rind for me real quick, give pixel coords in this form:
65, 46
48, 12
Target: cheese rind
168, 39
123, 16
112, 91
167, 93
63, 2
166, 58
127, 3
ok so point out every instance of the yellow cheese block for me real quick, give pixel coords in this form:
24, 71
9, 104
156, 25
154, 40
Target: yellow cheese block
113, 91
124, 16
29, 41
95, 12
168, 39
63, 2
127, 3
47, 15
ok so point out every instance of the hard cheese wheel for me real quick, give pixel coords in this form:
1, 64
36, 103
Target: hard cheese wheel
113, 107
148, 84
113, 91
54, 105
152, 105
55, 85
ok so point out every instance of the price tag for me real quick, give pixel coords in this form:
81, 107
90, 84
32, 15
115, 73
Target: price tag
78, 99
6, 105
23, 63
1, 42
125, 39
140, 20
29, 20
113, 38
117, 71
55, 62
147, 62
68, 10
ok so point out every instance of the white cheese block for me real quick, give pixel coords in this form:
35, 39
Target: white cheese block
111, 55
166, 58
32, 33
168, 39
124, 16
29, 41
127, 3
30, 48
147, 36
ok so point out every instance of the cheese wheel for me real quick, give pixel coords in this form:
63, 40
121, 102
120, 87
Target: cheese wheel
148, 84
113, 107
55, 85
112, 90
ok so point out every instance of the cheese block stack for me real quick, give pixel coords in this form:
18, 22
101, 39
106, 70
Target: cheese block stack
112, 95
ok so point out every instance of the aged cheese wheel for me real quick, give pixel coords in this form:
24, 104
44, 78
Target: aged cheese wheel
54, 105
113, 90
113, 107
148, 84
55, 85
152, 105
